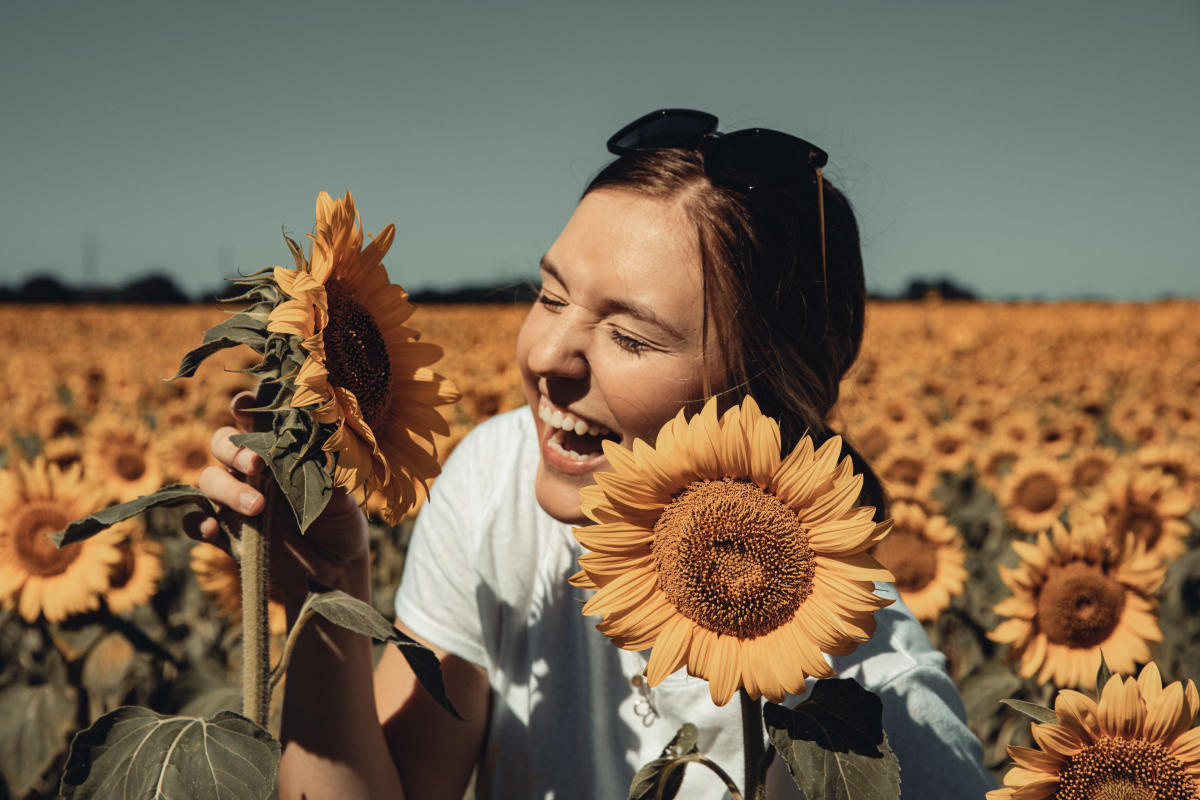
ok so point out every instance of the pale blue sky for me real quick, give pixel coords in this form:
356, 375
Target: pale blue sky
1024, 148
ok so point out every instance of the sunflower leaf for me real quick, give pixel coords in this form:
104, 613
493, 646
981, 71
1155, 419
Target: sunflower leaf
1031, 710
834, 745
238, 329
136, 752
301, 476
173, 495
354, 615
645, 782
37, 722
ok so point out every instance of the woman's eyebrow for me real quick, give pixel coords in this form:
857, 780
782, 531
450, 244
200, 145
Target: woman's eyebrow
612, 305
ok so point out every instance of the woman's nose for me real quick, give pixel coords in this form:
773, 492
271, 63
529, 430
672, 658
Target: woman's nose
559, 348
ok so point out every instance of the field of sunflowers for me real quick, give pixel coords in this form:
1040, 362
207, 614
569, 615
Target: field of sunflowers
1043, 461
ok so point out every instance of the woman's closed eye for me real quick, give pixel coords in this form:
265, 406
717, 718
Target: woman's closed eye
629, 343
548, 301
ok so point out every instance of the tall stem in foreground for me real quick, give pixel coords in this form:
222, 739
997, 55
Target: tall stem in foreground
754, 743
255, 632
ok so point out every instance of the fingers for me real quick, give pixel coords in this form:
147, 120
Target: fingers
224, 488
238, 405
231, 455
201, 526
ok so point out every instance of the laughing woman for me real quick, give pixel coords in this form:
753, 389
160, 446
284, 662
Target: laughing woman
696, 265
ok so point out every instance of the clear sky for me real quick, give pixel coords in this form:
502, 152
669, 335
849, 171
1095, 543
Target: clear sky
1026, 149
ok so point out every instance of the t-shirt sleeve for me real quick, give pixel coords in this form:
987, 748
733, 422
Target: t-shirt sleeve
437, 594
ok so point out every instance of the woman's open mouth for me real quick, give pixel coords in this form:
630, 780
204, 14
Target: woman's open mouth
573, 445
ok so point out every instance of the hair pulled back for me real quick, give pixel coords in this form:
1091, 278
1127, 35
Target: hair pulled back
788, 329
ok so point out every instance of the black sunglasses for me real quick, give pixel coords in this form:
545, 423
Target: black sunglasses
745, 160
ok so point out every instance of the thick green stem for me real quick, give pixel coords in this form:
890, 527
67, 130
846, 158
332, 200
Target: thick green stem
753, 736
256, 663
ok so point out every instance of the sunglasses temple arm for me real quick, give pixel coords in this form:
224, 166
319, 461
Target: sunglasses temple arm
821, 220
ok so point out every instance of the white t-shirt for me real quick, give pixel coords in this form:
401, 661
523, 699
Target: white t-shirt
486, 579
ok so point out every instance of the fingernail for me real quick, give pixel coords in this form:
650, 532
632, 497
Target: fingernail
248, 501
247, 462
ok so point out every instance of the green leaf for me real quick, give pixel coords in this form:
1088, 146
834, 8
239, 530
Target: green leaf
1102, 675
134, 752
1031, 710
645, 782
37, 722
834, 744
238, 329
354, 615
173, 495
302, 478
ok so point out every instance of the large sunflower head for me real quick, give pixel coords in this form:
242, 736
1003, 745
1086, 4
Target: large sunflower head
1134, 744
723, 557
36, 577
365, 373
1073, 596
925, 554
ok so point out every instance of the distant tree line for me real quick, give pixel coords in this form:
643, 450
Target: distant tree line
159, 289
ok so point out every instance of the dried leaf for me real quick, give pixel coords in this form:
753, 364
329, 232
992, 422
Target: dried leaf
238, 329
1031, 710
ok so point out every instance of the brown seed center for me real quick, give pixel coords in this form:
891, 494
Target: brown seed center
1142, 521
356, 354
1089, 472
120, 572
906, 471
1037, 493
36, 553
732, 558
130, 464
1079, 605
909, 557
1124, 769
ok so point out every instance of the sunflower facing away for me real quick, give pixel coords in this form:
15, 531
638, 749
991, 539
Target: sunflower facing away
35, 576
1074, 595
1134, 744
1148, 503
365, 371
728, 559
925, 553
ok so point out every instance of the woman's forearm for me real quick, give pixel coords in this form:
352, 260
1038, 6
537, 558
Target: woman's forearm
333, 744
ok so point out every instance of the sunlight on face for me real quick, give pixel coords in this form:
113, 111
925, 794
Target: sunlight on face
612, 348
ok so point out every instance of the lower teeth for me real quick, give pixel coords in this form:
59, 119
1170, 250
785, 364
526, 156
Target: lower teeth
557, 447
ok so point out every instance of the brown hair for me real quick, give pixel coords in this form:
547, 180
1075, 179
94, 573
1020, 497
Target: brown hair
789, 325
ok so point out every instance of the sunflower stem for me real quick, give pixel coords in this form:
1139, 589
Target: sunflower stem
255, 651
754, 738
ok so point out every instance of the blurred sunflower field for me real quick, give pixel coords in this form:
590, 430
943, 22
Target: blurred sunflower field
1043, 461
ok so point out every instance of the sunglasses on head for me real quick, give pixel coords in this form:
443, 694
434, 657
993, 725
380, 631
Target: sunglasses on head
745, 160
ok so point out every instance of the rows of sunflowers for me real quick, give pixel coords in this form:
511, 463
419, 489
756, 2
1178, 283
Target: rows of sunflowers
1043, 461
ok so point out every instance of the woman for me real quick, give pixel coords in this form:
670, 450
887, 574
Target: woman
696, 264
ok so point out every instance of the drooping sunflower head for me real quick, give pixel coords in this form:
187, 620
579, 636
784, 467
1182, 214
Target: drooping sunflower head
1073, 596
723, 557
365, 372
1134, 744
36, 577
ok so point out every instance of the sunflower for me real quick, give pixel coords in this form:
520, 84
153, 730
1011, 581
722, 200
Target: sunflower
725, 558
184, 450
1090, 465
1035, 492
1148, 503
365, 372
36, 577
121, 454
950, 445
134, 579
1074, 596
925, 553
1134, 743
217, 574
908, 472
1178, 459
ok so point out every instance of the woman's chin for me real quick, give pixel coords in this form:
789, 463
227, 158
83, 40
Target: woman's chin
559, 496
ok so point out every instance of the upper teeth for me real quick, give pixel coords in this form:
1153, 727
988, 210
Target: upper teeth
557, 419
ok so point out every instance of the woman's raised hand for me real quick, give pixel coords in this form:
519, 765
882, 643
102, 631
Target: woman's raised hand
336, 540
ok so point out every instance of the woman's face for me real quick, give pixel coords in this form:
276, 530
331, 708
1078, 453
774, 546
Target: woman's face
612, 347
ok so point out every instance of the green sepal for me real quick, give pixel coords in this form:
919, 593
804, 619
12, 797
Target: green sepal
1103, 674
354, 615
173, 495
291, 450
1031, 710
239, 329
834, 745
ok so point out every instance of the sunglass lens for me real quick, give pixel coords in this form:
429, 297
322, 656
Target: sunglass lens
755, 158
669, 127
